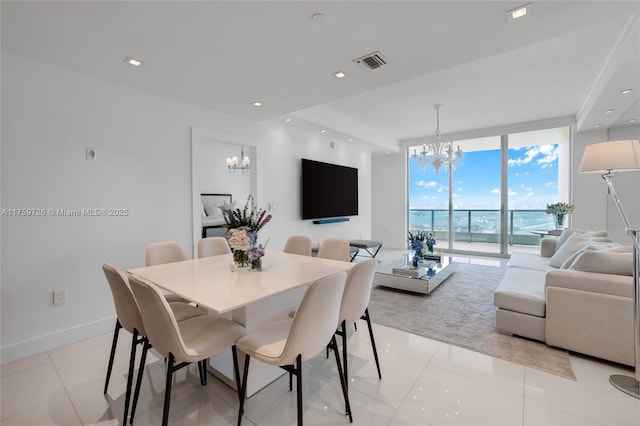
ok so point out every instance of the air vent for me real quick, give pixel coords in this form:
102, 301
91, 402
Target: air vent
371, 61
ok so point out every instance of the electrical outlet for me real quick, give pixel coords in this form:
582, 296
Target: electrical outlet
60, 297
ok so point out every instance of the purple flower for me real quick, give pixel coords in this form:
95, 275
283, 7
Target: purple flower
255, 253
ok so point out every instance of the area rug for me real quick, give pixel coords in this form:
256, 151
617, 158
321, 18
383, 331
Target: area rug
461, 312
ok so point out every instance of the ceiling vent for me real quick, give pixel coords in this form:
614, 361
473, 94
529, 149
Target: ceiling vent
371, 61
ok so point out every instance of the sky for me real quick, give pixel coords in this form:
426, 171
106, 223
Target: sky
532, 177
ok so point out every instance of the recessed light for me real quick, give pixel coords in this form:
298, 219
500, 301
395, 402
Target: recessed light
625, 91
288, 120
608, 111
519, 12
256, 104
323, 131
597, 125
317, 17
633, 120
340, 74
350, 140
133, 61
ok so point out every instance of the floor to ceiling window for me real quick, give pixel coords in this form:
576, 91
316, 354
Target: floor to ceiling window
492, 199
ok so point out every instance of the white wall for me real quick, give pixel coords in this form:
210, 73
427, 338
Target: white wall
143, 144
594, 207
389, 199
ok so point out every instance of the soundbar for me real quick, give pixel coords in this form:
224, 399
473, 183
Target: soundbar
332, 220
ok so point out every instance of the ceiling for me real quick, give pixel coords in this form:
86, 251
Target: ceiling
566, 59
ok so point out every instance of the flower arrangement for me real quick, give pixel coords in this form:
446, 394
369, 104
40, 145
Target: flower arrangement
421, 242
255, 255
559, 208
242, 232
558, 211
241, 238
250, 216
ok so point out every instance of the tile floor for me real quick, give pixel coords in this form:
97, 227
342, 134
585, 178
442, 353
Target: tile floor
425, 382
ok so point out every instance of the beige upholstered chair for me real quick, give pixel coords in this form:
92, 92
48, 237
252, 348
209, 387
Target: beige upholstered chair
213, 246
129, 318
288, 343
354, 306
193, 340
165, 252
298, 244
334, 248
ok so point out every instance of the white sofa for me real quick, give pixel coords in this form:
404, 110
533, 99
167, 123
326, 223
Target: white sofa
577, 295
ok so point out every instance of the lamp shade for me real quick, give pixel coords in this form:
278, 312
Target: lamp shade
613, 156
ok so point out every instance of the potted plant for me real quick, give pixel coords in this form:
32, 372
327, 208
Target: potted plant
559, 210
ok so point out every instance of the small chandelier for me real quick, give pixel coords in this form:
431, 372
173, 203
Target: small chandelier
233, 164
437, 153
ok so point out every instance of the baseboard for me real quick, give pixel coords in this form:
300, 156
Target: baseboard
38, 345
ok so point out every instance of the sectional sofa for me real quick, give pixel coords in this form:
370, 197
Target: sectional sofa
577, 294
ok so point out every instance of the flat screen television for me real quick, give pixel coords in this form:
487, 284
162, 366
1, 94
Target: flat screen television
328, 190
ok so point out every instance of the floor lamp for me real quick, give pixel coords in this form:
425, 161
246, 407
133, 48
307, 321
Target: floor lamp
610, 158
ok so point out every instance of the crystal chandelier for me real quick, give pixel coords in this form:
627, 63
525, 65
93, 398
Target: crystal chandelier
437, 153
233, 164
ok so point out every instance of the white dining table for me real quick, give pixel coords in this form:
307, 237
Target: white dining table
251, 298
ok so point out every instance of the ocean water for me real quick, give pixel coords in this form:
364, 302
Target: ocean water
480, 221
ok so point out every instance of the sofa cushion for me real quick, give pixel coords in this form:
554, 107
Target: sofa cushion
596, 246
522, 290
520, 259
574, 244
615, 261
566, 233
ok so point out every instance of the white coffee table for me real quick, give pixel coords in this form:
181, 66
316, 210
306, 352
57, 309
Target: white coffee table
424, 285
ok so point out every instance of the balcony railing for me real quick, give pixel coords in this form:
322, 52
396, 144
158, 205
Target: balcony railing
481, 226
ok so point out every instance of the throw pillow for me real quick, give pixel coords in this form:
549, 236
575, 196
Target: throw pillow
610, 261
212, 210
595, 246
573, 244
568, 232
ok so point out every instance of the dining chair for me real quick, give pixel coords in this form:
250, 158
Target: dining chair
289, 342
165, 252
193, 340
128, 317
213, 246
334, 248
298, 244
354, 306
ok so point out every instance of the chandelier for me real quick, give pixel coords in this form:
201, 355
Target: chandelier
233, 164
437, 153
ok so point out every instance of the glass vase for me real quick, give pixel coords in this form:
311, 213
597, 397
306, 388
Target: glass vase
256, 265
240, 258
559, 220
417, 258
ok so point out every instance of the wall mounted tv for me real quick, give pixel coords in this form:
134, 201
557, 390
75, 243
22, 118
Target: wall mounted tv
328, 190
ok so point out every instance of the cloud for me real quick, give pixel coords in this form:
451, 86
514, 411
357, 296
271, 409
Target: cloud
495, 191
430, 184
511, 193
549, 184
544, 155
